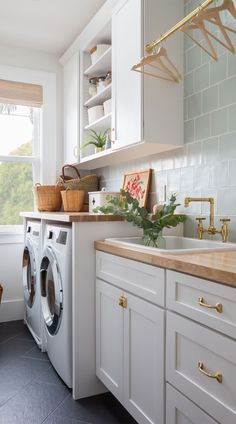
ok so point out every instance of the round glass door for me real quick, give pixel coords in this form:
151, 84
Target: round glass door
51, 291
29, 274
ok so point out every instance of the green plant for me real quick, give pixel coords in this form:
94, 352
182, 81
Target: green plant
152, 225
98, 139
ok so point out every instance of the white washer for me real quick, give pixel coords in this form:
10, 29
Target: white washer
31, 281
56, 298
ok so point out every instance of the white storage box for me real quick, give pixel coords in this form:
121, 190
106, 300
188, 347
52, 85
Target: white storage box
107, 106
98, 51
99, 198
95, 113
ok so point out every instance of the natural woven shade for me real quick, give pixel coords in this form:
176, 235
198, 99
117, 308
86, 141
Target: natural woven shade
20, 93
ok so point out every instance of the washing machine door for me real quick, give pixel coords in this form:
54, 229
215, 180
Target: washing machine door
51, 291
29, 274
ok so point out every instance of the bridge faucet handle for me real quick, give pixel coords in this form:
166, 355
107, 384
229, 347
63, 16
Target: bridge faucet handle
200, 219
224, 229
224, 220
200, 228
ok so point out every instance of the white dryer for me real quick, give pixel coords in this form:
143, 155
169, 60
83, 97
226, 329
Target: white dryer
31, 281
56, 298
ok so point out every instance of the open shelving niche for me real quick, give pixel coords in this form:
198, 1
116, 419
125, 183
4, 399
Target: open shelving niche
88, 70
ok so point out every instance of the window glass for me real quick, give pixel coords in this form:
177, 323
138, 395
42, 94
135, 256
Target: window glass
16, 130
19, 145
15, 191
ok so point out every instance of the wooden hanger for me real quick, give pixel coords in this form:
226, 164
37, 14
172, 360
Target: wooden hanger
212, 15
159, 61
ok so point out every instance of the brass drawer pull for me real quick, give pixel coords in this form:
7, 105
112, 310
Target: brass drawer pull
217, 376
123, 302
218, 307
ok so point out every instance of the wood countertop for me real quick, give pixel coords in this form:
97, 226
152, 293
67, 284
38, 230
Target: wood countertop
217, 266
71, 216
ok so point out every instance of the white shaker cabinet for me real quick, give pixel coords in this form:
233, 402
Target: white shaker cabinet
147, 112
144, 360
130, 345
71, 109
109, 338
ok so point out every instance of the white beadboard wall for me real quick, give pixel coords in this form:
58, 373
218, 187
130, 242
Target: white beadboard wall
206, 164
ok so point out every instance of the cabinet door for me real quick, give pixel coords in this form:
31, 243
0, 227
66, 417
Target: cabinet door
109, 337
71, 109
126, 86
144, 361
180, 410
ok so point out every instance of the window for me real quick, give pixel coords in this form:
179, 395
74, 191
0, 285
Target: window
35, 92
19, 160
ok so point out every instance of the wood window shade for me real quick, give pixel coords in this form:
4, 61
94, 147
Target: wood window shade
20, 93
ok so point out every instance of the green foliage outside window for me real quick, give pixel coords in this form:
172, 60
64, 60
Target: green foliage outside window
16, 187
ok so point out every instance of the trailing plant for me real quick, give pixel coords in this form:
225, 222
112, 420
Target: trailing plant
98, 139
151, 224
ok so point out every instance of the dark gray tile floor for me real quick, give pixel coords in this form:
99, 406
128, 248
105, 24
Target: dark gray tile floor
31, 392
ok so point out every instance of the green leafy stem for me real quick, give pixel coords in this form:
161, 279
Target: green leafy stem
152, 225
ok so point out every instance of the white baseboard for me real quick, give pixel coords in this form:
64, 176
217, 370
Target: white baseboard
12, 310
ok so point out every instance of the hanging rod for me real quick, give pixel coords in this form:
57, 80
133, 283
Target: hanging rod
149, 47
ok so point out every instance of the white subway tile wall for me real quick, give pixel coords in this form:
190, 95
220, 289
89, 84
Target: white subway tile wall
206, 165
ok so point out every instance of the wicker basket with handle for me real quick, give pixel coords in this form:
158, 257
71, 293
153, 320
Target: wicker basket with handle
87, 183
48, 197
72, 200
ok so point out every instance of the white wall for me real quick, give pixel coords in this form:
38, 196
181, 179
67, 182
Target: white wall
39, 61
11, 246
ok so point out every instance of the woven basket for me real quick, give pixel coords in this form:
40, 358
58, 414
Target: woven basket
48, 197
87, 183
72, 200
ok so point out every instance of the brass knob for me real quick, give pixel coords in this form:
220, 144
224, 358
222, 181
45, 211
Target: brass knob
200, 219
123, 302
225, 220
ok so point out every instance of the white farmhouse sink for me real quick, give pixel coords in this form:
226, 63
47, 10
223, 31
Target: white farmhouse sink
175, 245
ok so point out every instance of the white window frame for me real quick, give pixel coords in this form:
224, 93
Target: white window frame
45, 159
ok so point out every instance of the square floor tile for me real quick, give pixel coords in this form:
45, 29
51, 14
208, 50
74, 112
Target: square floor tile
17, 373
102, 409
33, 404
36, 353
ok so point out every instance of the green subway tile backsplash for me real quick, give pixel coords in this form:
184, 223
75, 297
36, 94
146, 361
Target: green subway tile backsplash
206, 165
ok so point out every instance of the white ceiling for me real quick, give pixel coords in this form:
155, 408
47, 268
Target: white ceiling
44, 25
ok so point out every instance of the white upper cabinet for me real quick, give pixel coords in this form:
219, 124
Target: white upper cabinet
71, 109
145, 109
127, 86
146, 115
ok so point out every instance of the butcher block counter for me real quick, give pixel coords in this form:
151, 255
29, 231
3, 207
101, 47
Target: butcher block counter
217, 266
71, 216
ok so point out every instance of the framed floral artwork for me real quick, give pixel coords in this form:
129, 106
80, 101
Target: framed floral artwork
137, 183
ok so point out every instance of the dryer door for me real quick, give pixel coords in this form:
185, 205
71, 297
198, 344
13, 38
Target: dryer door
51, 291
29, 274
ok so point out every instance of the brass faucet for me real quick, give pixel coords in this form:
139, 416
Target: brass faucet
224, 232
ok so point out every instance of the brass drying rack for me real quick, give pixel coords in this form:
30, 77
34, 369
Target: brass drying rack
151, 46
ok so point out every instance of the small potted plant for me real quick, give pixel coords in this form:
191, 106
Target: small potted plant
98, 139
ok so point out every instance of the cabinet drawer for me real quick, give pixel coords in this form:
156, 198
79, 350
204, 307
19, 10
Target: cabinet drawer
183, 295
180, 410
141, 279
191, 346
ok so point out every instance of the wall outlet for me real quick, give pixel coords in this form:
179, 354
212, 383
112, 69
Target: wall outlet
162, 194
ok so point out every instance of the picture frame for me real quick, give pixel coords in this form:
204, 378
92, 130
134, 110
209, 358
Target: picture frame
137, 183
